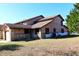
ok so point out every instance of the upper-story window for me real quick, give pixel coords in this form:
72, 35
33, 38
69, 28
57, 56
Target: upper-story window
54, 30
46, 30
26, 31
34, 22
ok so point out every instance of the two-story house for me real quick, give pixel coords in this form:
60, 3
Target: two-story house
35, 28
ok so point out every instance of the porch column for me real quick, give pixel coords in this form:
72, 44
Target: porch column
40, 34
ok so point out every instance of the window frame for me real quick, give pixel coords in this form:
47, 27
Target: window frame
62, 30
54, 30
26, 31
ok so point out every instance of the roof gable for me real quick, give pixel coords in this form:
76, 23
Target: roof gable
45, 21
51, 17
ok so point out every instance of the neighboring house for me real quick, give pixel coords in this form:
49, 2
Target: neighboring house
35, 28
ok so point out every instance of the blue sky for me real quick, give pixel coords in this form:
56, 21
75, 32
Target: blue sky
11, 13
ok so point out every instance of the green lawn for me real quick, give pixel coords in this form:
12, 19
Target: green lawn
60, 46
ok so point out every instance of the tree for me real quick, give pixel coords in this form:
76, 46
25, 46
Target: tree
73, 19
76, 5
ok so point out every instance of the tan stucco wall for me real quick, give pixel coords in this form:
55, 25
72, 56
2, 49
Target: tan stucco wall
55, 24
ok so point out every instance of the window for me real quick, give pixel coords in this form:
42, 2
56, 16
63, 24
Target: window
46, 30
62, 30
54, 30
34, 22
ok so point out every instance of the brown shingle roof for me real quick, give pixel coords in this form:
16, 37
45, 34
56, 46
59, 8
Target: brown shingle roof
19, 26
41, 24
44, 21
37, 25
37, 17
50, 17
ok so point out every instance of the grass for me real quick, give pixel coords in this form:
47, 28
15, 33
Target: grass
46, 47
